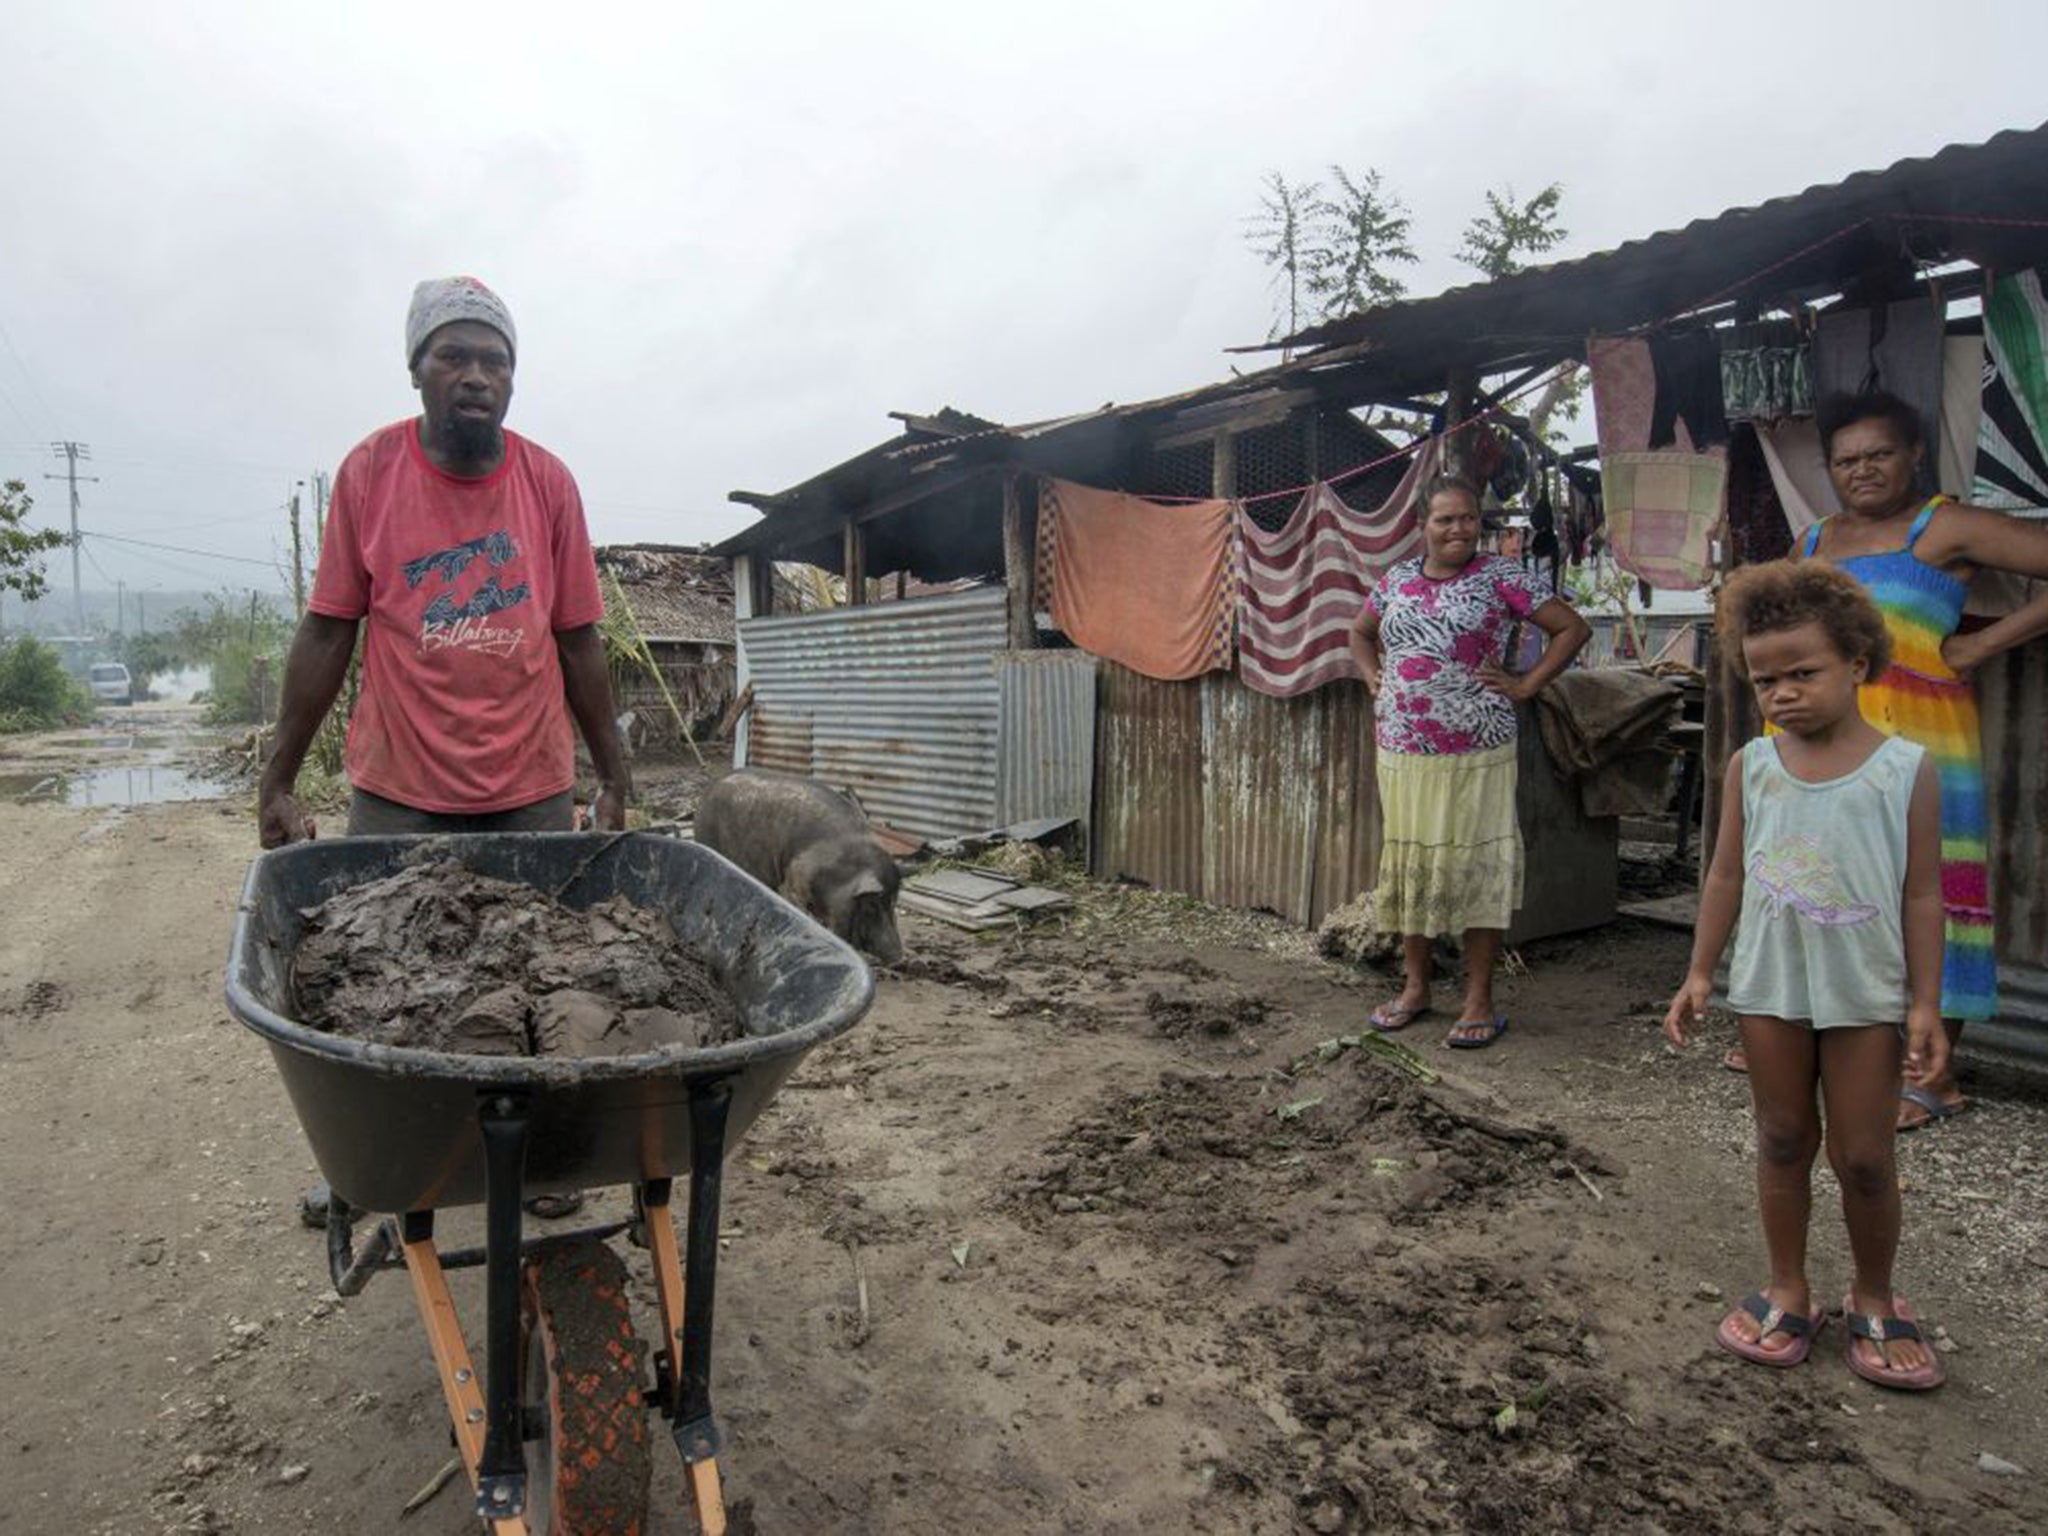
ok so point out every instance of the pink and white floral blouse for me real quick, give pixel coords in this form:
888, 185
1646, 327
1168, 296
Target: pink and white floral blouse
1434, 637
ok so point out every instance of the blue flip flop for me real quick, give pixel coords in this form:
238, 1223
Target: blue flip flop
1914, 1094
1495, 1027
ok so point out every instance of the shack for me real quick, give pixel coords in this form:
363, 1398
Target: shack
1208, 786
679, 601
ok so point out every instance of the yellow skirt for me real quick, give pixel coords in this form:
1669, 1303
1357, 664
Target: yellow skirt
1451, 847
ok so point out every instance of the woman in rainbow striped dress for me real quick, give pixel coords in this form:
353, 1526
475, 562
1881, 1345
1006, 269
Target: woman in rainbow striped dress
1916, 556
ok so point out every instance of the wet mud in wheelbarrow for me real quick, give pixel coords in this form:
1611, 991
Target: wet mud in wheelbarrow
408, 1131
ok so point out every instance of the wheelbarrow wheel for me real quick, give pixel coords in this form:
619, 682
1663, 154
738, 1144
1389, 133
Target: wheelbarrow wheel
587, 1472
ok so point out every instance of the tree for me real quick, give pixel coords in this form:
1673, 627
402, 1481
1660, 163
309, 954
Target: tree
22, 548
1509, 230
1283, 235
1360, 233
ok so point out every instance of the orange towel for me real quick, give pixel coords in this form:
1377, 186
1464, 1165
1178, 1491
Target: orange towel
1143, 583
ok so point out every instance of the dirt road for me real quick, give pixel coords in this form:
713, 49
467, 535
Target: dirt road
1140, 1258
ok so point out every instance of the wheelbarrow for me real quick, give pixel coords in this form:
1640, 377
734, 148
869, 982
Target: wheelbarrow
412, 1132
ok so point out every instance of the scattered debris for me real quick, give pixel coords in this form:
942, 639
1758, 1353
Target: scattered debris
432, 1486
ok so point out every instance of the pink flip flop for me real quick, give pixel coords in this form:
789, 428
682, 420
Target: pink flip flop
1389, 1017
1770, 1318
1884, 1331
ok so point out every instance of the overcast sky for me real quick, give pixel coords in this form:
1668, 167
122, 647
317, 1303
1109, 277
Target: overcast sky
733, 237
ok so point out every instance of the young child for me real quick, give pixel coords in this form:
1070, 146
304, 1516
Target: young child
1830, 851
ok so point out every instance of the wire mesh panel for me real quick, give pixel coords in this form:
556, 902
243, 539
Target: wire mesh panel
1271, 459
1346, 443
1187, 470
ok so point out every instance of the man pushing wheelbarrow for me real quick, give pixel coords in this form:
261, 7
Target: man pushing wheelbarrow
464, 548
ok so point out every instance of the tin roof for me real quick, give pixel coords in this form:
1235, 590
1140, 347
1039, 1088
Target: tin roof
1987, 203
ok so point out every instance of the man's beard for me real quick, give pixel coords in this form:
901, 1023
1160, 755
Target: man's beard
469, 439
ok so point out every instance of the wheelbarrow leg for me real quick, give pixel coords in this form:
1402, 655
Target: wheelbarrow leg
451, 1352
688, 1292
501, 1474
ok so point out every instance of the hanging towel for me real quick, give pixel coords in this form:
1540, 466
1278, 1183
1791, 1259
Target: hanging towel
1852, 356
1758, 529
1146, 585
1962, 412
1300, 587
1799, 471
2012, 441
1625, 394
1662, 509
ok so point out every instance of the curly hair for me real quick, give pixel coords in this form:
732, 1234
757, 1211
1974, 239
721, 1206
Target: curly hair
1784, 594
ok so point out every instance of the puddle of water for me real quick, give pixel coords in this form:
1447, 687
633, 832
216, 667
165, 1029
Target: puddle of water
141, 784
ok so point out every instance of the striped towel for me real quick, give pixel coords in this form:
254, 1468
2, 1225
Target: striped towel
1301, 586
2012, 438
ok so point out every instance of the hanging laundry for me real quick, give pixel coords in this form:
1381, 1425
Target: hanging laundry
1766, 383
1624, 393
1962, 412
1686, 367
2012, 440
1300, 587
1758, 529
1799, 472
1145, 584
1662, 509
1897, 348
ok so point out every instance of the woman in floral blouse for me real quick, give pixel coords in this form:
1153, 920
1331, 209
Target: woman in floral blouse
1429, 642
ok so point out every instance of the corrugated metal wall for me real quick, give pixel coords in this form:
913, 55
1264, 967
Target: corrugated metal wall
1209, 788
1045, 735
895, 701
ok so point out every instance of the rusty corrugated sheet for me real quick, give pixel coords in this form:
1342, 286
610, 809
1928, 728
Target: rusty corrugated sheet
1045, 735
1262, 801
899, 700
780, 742
1148, 780
1348, 843
2013, 692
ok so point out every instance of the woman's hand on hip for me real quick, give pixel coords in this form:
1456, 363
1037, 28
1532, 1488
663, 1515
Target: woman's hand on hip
1509, 685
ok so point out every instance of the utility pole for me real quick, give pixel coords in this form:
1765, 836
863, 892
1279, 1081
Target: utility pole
320, 486
120, 606
298, 556
71, 453
141, 612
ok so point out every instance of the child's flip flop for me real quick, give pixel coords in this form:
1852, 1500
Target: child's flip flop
1770, 1318
1884, 1332
1933, 1107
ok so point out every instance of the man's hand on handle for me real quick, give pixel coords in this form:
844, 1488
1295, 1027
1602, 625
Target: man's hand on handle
280, 819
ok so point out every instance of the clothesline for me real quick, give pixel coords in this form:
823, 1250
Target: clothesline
1498, 408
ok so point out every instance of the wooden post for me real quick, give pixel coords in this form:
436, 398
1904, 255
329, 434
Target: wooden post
747, 574
1223, 468
1019, 564
1456, 401
855, 569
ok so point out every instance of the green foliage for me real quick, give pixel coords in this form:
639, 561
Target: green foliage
1497, 241
35, 690
1363, 231
1332, 251
22, 548
244, 683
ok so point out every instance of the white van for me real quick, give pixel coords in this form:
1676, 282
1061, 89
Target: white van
110, 683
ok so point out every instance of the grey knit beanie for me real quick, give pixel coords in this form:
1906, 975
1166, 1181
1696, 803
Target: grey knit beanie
443, 300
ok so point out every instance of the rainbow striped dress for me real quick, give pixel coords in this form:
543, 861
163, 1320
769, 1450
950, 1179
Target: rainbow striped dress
1921, 698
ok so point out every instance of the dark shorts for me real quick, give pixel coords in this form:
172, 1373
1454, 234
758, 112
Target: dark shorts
373, 816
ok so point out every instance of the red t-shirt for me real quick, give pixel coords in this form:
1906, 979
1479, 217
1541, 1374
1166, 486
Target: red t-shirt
465, 583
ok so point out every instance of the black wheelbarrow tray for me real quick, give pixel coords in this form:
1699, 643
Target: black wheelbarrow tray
407, 1132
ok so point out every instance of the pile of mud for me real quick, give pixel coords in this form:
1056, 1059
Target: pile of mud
441, 958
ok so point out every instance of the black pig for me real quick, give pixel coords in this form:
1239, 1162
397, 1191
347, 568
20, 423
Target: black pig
809, 842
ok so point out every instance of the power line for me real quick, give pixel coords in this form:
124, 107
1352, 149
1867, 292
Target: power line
71, 453
179, 549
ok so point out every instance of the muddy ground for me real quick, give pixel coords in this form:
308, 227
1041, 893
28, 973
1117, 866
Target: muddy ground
1140, 1254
